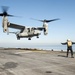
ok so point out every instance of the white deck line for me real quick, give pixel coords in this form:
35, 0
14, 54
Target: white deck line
23, 52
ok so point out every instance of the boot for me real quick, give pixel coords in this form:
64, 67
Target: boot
72, 56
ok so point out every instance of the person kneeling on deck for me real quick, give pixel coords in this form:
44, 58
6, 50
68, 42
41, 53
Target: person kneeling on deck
69, 47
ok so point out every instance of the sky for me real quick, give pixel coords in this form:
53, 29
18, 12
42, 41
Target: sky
58, 31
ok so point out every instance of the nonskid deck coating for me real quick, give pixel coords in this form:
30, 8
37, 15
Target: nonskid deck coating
27, 62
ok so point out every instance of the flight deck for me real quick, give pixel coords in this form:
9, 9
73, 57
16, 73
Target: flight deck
36, 62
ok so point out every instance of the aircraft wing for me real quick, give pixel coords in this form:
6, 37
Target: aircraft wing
16, 26
40, 28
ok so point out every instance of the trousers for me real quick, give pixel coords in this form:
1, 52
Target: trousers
70, 49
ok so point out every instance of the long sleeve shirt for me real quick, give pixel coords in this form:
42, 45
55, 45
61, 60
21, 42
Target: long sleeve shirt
69, 44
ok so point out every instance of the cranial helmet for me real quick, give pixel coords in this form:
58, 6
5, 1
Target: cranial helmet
68, 40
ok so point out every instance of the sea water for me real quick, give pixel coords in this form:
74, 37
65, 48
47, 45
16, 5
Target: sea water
50, 47
42, 47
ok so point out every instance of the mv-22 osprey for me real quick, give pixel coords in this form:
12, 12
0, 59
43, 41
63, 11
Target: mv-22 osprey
24, 31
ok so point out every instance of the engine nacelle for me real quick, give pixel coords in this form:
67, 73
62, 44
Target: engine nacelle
45, 26
5, 24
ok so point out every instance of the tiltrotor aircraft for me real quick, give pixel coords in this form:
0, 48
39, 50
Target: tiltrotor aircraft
25, 32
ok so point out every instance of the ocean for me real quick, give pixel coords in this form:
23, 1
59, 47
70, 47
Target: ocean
42, 47
50, 47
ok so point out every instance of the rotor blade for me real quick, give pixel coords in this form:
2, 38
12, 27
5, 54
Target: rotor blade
51, 20
46, 20
5, 8
5, 13
10, 15
1, 14
13, 16
37, 19
34, 19
17, 16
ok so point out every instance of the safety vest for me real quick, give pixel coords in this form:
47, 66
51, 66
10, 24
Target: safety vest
69, 43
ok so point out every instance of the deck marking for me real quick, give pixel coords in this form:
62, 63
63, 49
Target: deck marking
23, 52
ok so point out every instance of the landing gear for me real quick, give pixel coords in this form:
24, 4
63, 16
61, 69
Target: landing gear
37, 36
29, 38
18, 38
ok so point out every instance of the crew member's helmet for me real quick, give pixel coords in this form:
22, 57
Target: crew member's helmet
68, 40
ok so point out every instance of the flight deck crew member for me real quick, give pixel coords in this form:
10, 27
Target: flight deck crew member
69, 47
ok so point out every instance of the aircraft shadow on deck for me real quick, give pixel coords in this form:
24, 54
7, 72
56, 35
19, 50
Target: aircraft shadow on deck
61, 56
